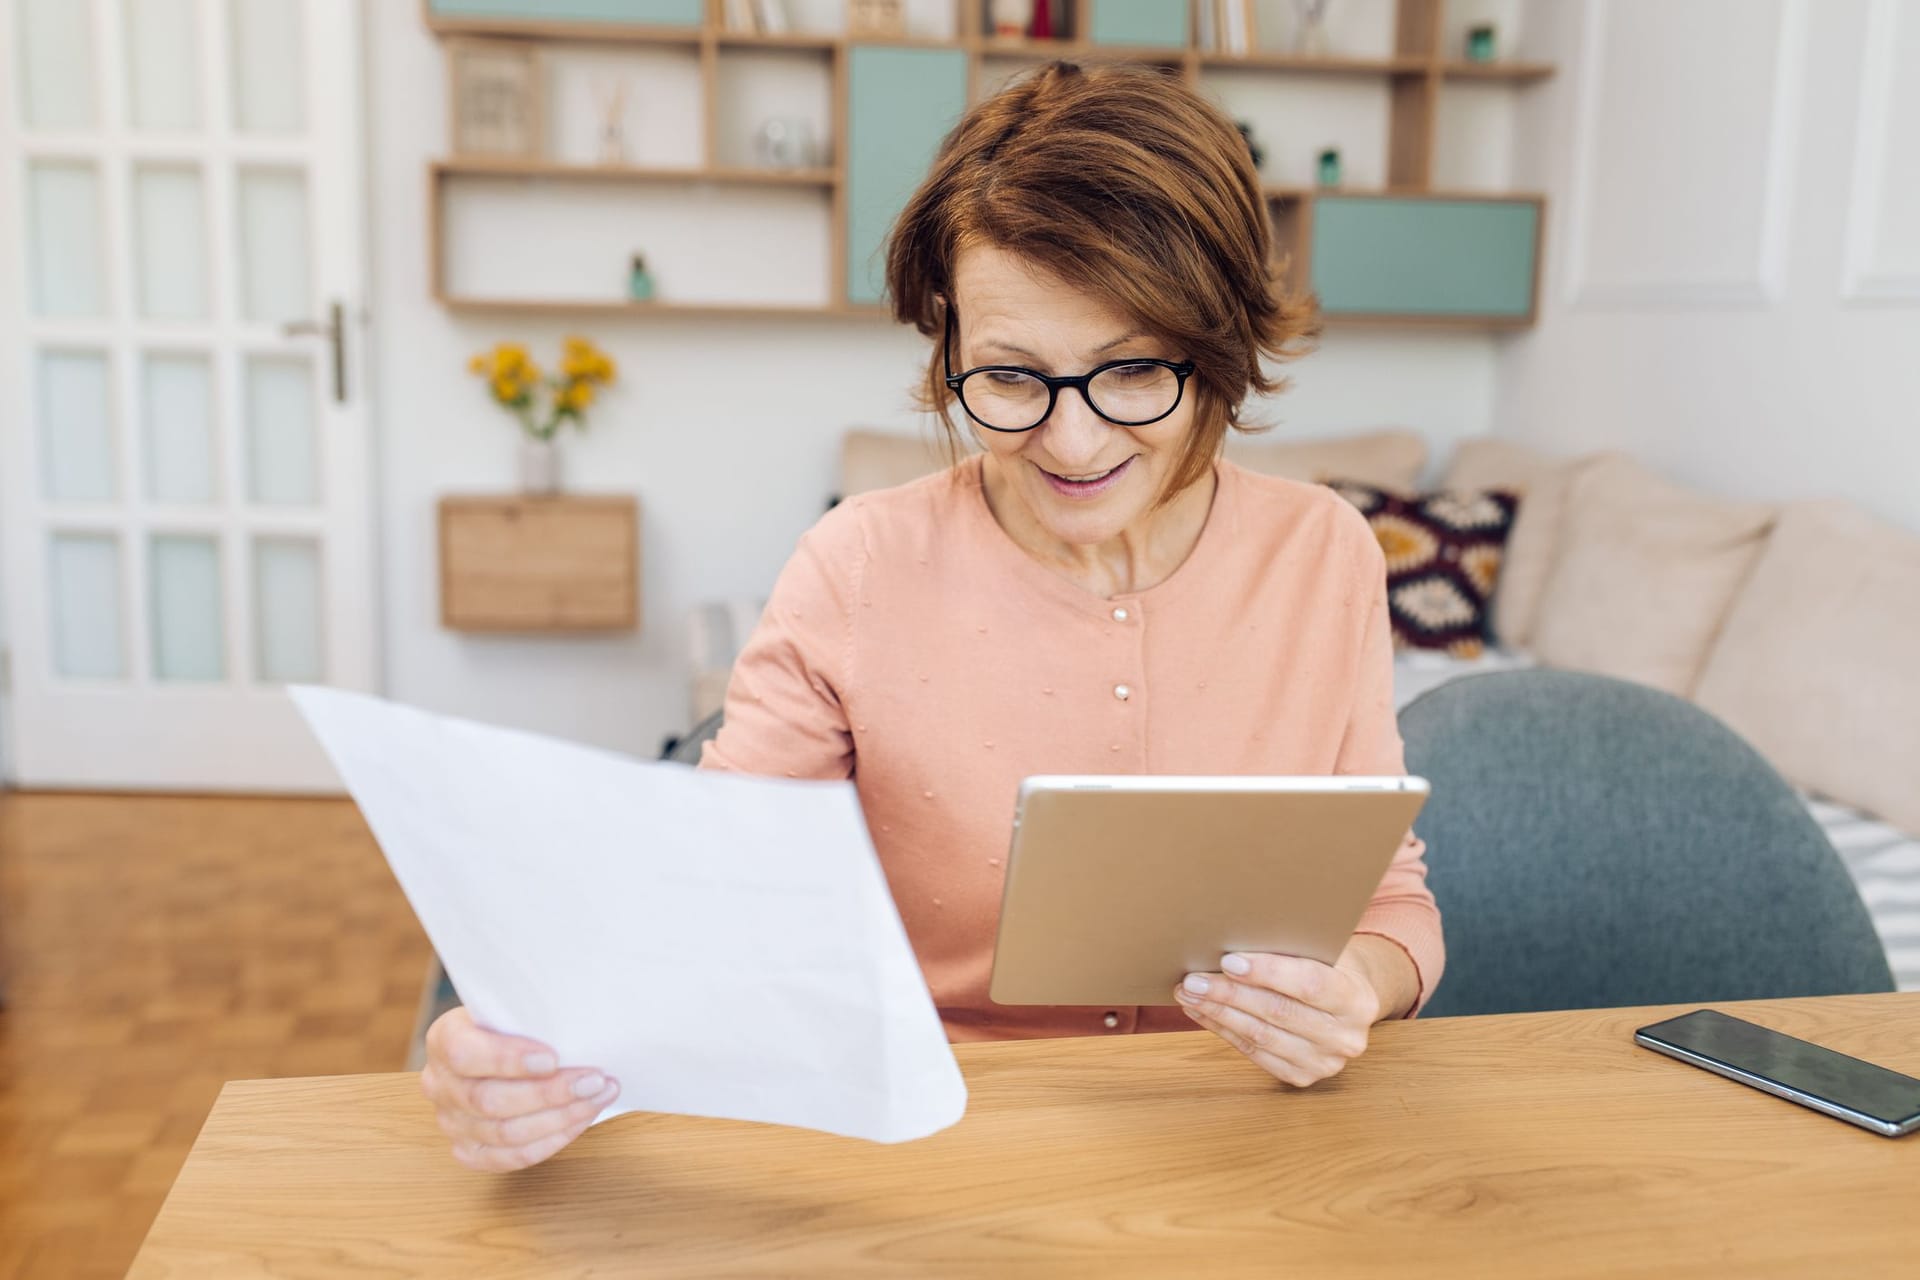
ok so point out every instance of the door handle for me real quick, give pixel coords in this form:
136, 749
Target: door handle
334, 329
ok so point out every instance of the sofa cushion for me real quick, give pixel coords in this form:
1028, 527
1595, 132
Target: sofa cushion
1818, 664
1443, 561
1542, 482
1387, 459
1644, 576
883, 459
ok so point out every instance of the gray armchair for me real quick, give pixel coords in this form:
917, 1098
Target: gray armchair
1594, 843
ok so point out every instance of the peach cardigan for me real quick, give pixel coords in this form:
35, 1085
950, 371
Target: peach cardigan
910, 644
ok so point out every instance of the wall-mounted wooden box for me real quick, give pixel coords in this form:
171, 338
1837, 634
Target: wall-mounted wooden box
569, 563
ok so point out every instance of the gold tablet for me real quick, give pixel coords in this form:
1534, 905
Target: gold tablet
1118, 887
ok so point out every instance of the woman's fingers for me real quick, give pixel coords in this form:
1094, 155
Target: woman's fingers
1254, 1038
488, 1159
524, 1130
503, 1099
1286, 1070
1342, 1033
468, 1049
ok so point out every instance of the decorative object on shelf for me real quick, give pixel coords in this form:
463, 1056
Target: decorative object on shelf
876, 18
495, 90
610, 100
1480, 42
1234, 26
771, 15
1254, 149
784, 142
1310, 27
639, 279
1041, 28
542, 404
1012, 17
739, 17
1327, 167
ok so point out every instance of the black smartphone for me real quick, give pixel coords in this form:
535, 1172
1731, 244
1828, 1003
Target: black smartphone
1846, 1088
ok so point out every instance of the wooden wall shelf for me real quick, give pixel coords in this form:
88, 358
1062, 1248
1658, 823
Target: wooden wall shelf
531, 564
559, 30
1516, 72
1316, 66
500, 167
621, 310
1414, 72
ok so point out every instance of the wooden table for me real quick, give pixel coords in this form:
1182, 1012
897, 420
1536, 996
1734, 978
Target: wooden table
1530, 1145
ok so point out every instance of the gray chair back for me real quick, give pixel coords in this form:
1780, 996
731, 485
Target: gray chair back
1594, 843
686, 749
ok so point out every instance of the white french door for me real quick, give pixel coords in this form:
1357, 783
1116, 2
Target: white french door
184, 464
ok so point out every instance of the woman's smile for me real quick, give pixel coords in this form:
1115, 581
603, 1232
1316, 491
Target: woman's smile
1086, 484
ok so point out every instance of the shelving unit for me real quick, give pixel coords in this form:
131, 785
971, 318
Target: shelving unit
878, 152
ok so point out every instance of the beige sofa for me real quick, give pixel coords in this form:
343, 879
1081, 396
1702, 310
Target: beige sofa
1794, 623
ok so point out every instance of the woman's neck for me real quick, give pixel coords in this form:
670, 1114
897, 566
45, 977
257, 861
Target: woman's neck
1142, 556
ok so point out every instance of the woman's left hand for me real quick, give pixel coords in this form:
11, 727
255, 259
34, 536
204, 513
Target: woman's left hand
1299, 1020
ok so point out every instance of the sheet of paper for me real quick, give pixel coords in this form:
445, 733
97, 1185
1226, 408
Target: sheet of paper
724, 946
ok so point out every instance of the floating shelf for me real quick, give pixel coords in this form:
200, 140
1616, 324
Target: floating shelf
493, 167
785, 40
621, 309
1516, 72
1319, 66
553, 29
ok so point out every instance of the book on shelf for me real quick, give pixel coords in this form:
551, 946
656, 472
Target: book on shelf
1236, 26
1206, 35
739, 17
772, 16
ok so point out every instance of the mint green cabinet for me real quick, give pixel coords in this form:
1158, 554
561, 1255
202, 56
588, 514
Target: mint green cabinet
1425, 256
652, 13
1158, 23
900, 104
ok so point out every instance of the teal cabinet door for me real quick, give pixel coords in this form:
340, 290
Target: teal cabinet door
1375, 255
1139, 22
652, 13
900, 104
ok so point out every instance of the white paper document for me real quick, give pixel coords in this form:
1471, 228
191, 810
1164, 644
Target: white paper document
722, 945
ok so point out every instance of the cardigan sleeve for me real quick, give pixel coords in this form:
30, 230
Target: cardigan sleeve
785, 713
1403, 910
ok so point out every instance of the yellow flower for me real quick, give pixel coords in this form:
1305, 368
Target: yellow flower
506, 389
584, 360
576, 396
510, 360
477, 365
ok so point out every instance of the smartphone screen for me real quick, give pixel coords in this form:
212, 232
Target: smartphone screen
1886, 1097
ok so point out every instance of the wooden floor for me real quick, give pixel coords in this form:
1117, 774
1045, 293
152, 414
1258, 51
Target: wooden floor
153, 948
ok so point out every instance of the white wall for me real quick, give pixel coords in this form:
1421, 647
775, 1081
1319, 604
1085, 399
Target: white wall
1733, 289
727, 430
6, 707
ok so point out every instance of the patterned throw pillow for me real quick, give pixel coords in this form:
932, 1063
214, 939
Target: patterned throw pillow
1443, 561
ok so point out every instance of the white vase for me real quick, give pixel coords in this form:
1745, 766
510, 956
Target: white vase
539, 467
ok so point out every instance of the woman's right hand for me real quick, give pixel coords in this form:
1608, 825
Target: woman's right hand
504, 1100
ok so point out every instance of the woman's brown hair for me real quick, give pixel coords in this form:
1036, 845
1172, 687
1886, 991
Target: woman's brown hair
1130, 186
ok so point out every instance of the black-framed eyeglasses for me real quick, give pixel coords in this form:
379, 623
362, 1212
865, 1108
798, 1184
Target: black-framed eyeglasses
1133, 392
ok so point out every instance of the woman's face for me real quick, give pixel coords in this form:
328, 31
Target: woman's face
1082, 479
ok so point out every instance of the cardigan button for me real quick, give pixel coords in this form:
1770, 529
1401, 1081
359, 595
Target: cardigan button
1111, 1021
1122, 692
1120, 615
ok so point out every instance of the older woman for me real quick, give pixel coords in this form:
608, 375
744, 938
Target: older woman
1095, 591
